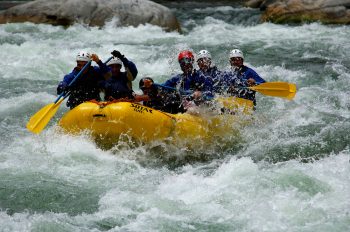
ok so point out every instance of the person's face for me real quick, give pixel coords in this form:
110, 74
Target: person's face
204, 63
186, 65
236, 61
115, 68
147, 84
80, 65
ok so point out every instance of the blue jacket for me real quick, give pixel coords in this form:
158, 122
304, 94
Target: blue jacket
85, 88
186, 84
213, 77
120, 87
236, 82
244, 73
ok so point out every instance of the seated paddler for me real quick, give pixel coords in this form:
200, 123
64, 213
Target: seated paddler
119, 85
240, 77
86, 86
150, 96
155, 97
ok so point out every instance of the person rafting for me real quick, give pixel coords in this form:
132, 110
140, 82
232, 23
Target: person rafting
119, 85
156, 97
239, 77
150, 97
188, 83
208, 71
85, 88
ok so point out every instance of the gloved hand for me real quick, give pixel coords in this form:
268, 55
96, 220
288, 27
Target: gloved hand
197, 95
95, 58
251, 82
117, 54
62, 87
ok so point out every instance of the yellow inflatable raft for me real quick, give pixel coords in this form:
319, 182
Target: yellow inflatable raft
111, 120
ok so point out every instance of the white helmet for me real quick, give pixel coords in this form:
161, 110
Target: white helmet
115, 60
203, 54
236, 53
83, 56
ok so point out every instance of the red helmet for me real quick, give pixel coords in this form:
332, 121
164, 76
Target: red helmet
185, 54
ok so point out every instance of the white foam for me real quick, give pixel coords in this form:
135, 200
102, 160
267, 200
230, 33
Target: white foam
243, 192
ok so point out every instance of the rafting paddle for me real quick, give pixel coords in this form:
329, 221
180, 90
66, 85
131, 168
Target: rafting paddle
184, 92
41, 118
276, 89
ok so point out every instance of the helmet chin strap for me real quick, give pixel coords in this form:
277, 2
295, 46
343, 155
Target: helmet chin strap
206, 68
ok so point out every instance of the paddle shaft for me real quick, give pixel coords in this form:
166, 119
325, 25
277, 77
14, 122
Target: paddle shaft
274, 89
174, 89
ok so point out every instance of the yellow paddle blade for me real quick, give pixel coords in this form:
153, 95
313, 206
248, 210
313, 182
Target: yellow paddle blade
39, 120
277, 89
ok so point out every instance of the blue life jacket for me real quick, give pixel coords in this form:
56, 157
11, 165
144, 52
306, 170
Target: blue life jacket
118, 87
236, 82
244, 73
214, 78
191, 82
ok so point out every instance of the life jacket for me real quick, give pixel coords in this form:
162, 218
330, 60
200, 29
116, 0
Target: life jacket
236, 81
116, 87
85, 87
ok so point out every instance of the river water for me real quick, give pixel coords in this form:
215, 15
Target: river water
288, 171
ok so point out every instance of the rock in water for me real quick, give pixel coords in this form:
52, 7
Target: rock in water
298, 11
92, 13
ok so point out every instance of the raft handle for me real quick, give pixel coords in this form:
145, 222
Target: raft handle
99, 115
